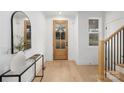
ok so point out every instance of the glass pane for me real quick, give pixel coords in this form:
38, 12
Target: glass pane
60, 27
57, 44
63, 44
93, 24
57, 35
93, 39
57, 27
63, 35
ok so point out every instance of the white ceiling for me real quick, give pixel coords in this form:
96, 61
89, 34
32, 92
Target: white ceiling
64, 13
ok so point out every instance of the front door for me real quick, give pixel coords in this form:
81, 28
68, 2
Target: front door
60, 39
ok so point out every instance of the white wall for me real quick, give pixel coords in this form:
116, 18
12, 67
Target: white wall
87, 54
38, 23
76, 33
113, 21
72, 37
5, 31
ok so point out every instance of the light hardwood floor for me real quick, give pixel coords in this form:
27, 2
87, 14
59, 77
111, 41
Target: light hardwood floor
68, 71
88, 73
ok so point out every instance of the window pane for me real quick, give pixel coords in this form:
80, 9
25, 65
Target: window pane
57, 44
63, 44
60, 27
93, 24
57, 35
63, 35
93, 39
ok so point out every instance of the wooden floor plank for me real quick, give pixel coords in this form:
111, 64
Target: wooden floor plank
61, 71
68, 71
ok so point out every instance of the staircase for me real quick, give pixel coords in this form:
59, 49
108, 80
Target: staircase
114, 56
118, 75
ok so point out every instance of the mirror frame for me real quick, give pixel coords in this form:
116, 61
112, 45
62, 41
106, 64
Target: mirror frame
12, 42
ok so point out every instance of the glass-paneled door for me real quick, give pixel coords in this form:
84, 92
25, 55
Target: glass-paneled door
60, 39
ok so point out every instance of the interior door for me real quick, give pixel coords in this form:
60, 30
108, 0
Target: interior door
60, 39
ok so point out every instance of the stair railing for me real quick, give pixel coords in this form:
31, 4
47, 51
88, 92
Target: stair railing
114, 50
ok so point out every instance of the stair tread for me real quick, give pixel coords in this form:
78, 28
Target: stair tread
117, 74
37, 79
107, 80
121, 65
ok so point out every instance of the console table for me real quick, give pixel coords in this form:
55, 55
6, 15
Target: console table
34, 59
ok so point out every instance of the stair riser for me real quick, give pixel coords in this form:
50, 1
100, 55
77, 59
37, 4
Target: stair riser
120, 69
113, 78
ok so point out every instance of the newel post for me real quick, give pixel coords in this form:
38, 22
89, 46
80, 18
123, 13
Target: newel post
101, 60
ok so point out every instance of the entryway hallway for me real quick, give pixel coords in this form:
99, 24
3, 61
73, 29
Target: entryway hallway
68, 71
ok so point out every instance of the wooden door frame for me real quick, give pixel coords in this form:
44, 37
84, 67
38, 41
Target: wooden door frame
54, 37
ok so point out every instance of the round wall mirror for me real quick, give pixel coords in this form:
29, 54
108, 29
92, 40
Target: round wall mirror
20, 32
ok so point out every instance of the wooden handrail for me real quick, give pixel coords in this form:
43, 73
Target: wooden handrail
114, 33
